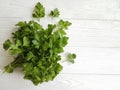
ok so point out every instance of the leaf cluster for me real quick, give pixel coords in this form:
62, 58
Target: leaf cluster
37, 49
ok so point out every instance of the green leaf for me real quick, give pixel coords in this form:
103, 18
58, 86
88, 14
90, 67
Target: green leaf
8, 69
51, 28
36, 43
21, 24
18, 43
71, 57
28, 67
62, 32
37, 37
25, 41
14, 46
50, 43
30, 55
39, 11
45, 46
36, 71
15, 51
58, 68
64, 24
6, 44
54, 13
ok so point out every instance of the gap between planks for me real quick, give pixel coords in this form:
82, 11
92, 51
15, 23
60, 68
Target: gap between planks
90, 19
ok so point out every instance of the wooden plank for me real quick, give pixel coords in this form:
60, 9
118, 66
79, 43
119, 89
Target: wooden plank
82, 33
93, 60
88, 61
79, 9
63, 81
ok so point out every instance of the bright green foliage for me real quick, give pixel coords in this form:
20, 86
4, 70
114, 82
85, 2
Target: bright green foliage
64, 24
71, 57
8, 69
7, 44
36, 49
54, 13
39, 11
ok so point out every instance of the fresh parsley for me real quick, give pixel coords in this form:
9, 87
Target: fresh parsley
39, 11
7, 44
37, 49
71, 57
54, 13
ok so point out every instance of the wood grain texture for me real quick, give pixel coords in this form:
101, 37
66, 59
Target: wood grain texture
79, 9
63, 81
94, 37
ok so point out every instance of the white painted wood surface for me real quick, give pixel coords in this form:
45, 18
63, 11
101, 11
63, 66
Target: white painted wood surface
94, 37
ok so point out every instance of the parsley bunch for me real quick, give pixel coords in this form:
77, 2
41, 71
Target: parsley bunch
37, 49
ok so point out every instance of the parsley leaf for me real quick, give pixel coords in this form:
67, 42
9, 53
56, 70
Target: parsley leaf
8, 69
71, 57
64, 24
21, 24
54, 13
30, 55
25, 41
6, 44
39, 11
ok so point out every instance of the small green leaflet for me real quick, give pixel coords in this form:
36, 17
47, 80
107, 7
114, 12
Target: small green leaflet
25, 41
21, 24
64, 24
54, 13
8, 69
71, 57
30, 55
6, 44
39, 11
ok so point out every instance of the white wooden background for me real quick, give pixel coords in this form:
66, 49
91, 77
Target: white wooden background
94, 37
